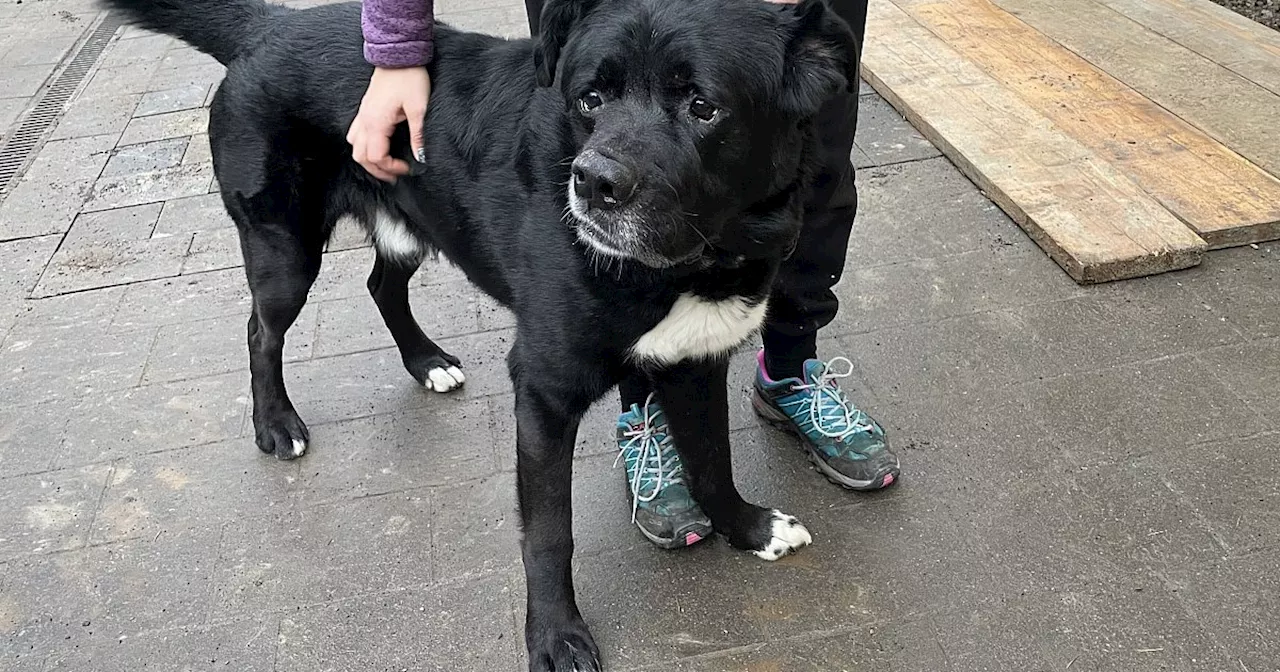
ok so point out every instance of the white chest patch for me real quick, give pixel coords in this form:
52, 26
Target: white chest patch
393, 238
697, 327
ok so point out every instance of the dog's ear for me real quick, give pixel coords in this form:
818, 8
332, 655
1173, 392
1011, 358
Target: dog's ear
822, 58
554, 26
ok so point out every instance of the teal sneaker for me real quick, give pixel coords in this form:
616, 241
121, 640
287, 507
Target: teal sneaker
661, 505
848, 447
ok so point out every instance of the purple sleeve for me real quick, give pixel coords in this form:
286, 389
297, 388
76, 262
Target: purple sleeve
397, 33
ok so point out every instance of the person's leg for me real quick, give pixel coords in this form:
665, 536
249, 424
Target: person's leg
662, 505
533, 10
794, 389
802, 301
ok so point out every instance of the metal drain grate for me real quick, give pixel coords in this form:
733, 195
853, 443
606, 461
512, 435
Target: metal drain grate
19, 147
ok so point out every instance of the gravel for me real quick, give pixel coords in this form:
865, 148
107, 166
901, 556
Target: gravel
1266, 12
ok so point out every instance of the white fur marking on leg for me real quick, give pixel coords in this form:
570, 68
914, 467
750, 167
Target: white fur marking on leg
445, 380
393, 238
787, 535
299, 447
699, 327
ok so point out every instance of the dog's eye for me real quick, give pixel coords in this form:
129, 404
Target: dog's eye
590, 101
703, 110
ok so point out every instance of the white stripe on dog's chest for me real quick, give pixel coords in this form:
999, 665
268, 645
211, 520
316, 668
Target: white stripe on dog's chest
697, 327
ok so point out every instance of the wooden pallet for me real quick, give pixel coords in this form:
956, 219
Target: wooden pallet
1127, 137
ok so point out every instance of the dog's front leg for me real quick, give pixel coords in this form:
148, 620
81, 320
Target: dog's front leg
694, 395
557, 637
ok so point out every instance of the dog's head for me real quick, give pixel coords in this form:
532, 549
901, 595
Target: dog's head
687, 114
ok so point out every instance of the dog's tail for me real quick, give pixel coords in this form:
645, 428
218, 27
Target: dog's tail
220, 28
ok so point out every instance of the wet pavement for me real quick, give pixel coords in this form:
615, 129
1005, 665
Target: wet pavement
1090, 473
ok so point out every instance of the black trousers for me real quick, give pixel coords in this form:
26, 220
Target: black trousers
803, 301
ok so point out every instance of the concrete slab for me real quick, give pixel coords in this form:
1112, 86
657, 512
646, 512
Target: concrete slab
30, 436
1143, 408
106, 115
193, 213
354, 324
240, 645
212, 251
884, 137
54, 510
23, 81
434, 445
213, 353
82, 264
171, 100
10, 110
923, 210
181, 124
154, 418
140, 585
146, 157
38, 365
320, 554
149, 187
1251, 371
1238, 284
133, 223
23, 261
156, 494
55, 186
464, 627
1232, 599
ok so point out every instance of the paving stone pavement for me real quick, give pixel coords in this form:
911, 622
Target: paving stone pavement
1089, 473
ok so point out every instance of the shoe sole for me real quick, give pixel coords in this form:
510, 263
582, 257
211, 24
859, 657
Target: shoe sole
781, 422
687, 537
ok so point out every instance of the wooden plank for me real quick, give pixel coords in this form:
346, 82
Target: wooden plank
1095, 222
1239, 113
1244, 47
1225, 198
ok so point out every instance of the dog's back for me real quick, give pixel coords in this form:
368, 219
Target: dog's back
294, 82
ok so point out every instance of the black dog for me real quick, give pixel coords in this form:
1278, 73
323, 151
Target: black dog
627, 185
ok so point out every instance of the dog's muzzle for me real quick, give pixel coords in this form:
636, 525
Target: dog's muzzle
601, 182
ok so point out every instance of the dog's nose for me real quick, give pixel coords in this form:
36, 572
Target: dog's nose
602, 182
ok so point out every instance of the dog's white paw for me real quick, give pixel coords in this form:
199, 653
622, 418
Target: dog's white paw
445, 380
299, 447
787, 535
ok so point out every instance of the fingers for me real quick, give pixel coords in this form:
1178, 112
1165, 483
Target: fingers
378, 154
360, 152
415, 110
416, 117
394, 95
371, 148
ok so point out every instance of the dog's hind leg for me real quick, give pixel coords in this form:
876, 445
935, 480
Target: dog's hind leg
427, 362
282, 260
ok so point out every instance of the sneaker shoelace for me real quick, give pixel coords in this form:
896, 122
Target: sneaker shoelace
830, 412
655, 460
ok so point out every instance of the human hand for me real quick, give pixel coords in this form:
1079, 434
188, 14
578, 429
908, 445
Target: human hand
394, 95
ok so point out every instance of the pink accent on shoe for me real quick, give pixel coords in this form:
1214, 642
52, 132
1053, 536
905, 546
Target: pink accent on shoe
691, 538
888, 480
764, 373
